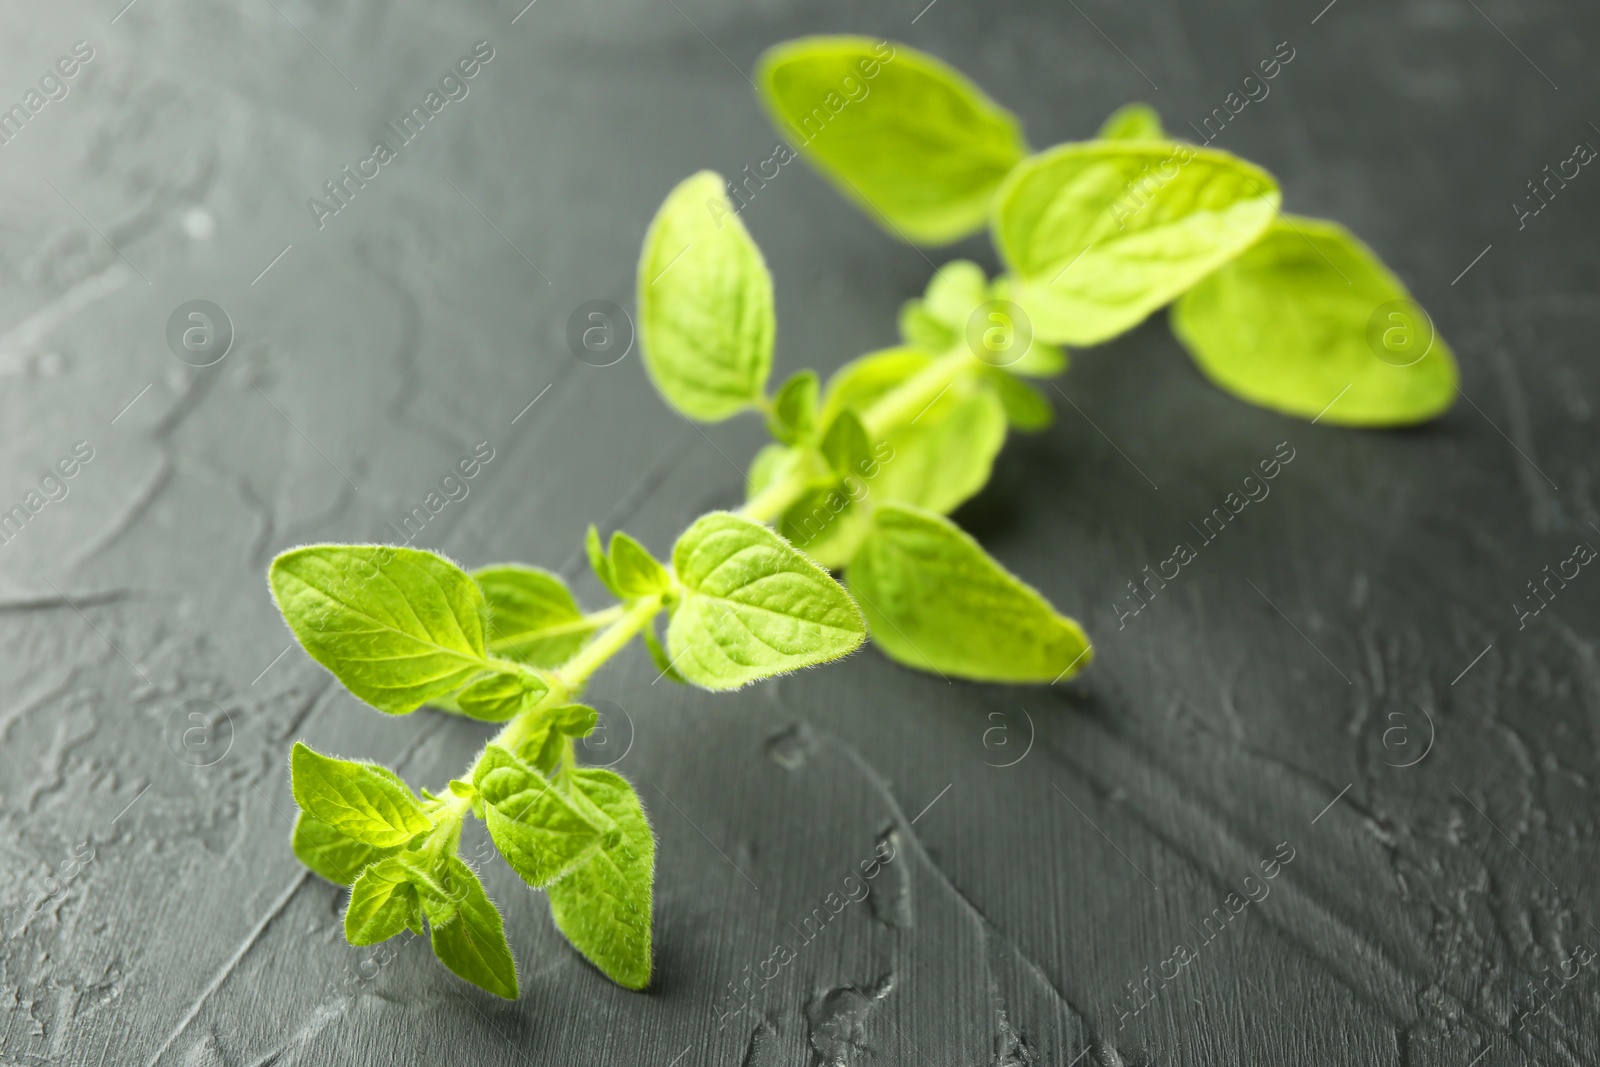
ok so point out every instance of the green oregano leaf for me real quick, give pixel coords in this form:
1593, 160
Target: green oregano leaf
331, 853
500, 696
573, 720
360, 800
636, 572
1027, 409
946, 455
599, 562
604, 907
1100, 234
533, 616
383, 902
937, 602
705, 304
845, 446
1133, 122
398, 626
468, 934
793, 416
658, 656
541, 834
1310, 322
937, 322
753, 606
899, 132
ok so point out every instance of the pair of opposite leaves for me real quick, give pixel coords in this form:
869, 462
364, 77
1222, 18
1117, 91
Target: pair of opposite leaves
590, 849
1098, 235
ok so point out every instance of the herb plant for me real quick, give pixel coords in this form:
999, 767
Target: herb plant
860, 474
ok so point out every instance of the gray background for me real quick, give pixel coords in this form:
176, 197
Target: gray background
1358, 620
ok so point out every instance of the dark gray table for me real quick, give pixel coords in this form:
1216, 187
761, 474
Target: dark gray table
1341, 677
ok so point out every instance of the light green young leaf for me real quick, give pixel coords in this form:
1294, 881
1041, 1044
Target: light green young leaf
937, 602
658, 656
541, 834
753, 606
1133, 122
937, 322
573, 720
604, 907
921, 330
468, 934
360, 800
383, 902
1310, 322
902, 134
500, 696
635, 571
1100, 234
334, 855
845, 446
705, 304
1027, 409
793, 417
954, 293
533, 617
398, 626
599, 562
947, 454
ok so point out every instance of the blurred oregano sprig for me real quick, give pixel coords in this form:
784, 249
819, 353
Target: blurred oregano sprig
859, 477
1282, 311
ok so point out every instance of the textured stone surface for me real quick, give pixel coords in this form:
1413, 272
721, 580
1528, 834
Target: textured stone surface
1358, 620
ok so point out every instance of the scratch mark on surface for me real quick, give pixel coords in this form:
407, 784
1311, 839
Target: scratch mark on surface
231, 965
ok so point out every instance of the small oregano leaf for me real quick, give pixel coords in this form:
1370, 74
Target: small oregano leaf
658, 656
500, 696
599, 562
541, 834
1100, 234
845, 445
1310, 322
793, 416
899, 132
573, 720
360, 800
634, 570
604, 907
946, 455
753, 606
533, 617
1132, 122
468, 934
705, 304
936, 601
383, 902
334, 855
1027, 409
398, 626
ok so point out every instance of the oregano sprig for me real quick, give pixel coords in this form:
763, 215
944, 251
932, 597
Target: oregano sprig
859, 477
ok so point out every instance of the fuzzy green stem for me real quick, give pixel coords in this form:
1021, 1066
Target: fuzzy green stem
776, 498
565, 683
907, 401
594, 620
